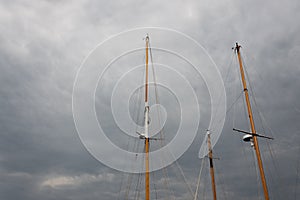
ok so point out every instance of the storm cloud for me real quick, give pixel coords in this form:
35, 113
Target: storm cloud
43, 43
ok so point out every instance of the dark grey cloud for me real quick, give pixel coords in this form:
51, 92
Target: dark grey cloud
42, 44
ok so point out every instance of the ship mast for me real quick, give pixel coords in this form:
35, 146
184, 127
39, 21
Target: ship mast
146, 124
253, 131
211, 166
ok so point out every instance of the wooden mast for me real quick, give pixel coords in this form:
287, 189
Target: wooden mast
147, 175
255, 141
211, 166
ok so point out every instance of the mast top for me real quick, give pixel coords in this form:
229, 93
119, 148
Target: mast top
207, 132
237, 47
147, 37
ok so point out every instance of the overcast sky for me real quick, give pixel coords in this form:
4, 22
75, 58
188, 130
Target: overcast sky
43, 43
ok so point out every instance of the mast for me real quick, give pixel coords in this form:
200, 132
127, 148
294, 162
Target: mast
146, 136
255, 141
211, 166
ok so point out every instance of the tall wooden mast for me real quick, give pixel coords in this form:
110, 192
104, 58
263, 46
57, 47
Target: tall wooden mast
255, 141
146, 136
211, 166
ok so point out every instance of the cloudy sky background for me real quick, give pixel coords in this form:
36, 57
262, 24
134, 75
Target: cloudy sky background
43, 44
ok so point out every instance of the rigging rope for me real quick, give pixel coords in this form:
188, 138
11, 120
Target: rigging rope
257, 176
220, 175
120, 190
243, 147
154, 185
184, 179
137, 187
271, 151
204, 186
161, 132
235, 92
297, 176
135, 147
198, 181
220, 98
264, 123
